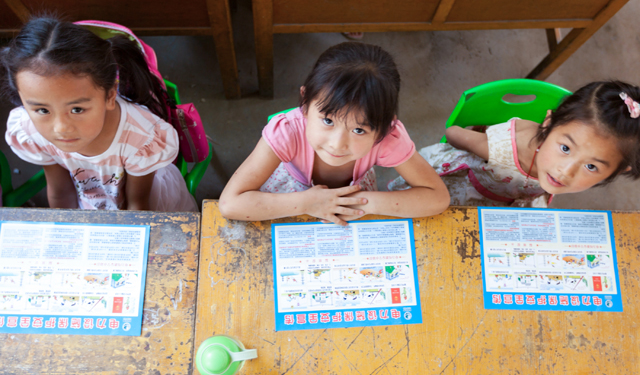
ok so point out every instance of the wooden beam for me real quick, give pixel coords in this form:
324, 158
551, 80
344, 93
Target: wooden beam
442, 12
220, 19
21, 11
162, 31
140, 31
9, 33
573, 41
424, 26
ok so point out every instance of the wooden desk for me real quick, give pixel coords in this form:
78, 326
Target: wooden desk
166, 343
458, 336
584, 17
143, 17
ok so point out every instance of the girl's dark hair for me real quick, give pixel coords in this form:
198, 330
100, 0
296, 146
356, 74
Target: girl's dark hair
356, 76
47, 46
599, 104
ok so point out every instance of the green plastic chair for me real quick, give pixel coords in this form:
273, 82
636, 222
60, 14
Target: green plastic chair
485, 105
19, 196
193, 177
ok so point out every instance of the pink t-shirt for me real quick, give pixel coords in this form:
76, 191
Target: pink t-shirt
285, 134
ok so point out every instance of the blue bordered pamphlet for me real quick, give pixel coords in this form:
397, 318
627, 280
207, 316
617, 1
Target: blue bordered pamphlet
548, 259
330, 276
74, 279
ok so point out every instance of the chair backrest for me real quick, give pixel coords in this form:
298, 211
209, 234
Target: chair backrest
17, 197
5, 174
485, 104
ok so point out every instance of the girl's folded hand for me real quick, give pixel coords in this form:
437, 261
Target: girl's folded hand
331, 204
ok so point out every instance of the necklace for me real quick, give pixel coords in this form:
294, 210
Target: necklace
526, 181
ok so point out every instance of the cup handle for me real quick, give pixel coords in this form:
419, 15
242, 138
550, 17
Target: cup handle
244, 355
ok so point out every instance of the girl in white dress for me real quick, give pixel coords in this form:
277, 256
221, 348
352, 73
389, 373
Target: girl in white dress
89, 114
590, 139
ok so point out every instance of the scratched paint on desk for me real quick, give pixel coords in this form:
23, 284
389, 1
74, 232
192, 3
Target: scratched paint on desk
457, 336
171, 240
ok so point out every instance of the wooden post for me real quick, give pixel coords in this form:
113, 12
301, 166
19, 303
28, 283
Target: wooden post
263, 33
220, 19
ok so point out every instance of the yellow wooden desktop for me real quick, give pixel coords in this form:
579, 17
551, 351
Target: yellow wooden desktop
166, 343
458, 336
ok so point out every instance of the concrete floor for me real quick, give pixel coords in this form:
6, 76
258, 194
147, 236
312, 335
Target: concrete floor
436, 67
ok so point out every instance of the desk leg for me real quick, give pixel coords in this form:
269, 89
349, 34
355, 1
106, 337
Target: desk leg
573, 41
263, 34
559, 54
553, 36
220, 19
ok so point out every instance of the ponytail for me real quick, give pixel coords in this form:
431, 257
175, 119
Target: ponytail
137, 84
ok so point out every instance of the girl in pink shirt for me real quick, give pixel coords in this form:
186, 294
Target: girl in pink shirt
89, 114
319, 157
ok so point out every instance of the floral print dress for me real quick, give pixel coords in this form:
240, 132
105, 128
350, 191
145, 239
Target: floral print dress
281, 181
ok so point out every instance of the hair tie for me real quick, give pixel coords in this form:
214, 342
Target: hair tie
633, 106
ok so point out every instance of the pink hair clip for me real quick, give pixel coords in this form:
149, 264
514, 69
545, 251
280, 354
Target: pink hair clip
633, 106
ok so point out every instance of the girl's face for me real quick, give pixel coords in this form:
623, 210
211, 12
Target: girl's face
575, 157
336, 139
68, 110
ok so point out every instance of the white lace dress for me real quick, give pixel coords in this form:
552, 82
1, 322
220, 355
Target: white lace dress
473, 181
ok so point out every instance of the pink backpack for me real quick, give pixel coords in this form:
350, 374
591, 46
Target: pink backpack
184, 117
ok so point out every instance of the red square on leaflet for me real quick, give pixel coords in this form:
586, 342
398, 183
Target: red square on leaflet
597, 284
117, 304
395, 295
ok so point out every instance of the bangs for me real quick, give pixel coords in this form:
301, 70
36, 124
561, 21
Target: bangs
355, 77
358, 89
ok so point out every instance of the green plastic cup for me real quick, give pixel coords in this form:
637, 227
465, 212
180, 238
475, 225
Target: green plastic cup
222, 355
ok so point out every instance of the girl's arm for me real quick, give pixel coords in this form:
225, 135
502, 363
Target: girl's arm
428, 194
61, 191
468, 140
242, 200
138, 190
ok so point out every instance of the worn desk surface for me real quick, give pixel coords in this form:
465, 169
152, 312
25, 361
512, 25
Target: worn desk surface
166, 343
458, 336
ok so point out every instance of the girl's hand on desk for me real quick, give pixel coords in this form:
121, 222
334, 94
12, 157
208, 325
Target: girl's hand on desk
358, 207
332, 204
